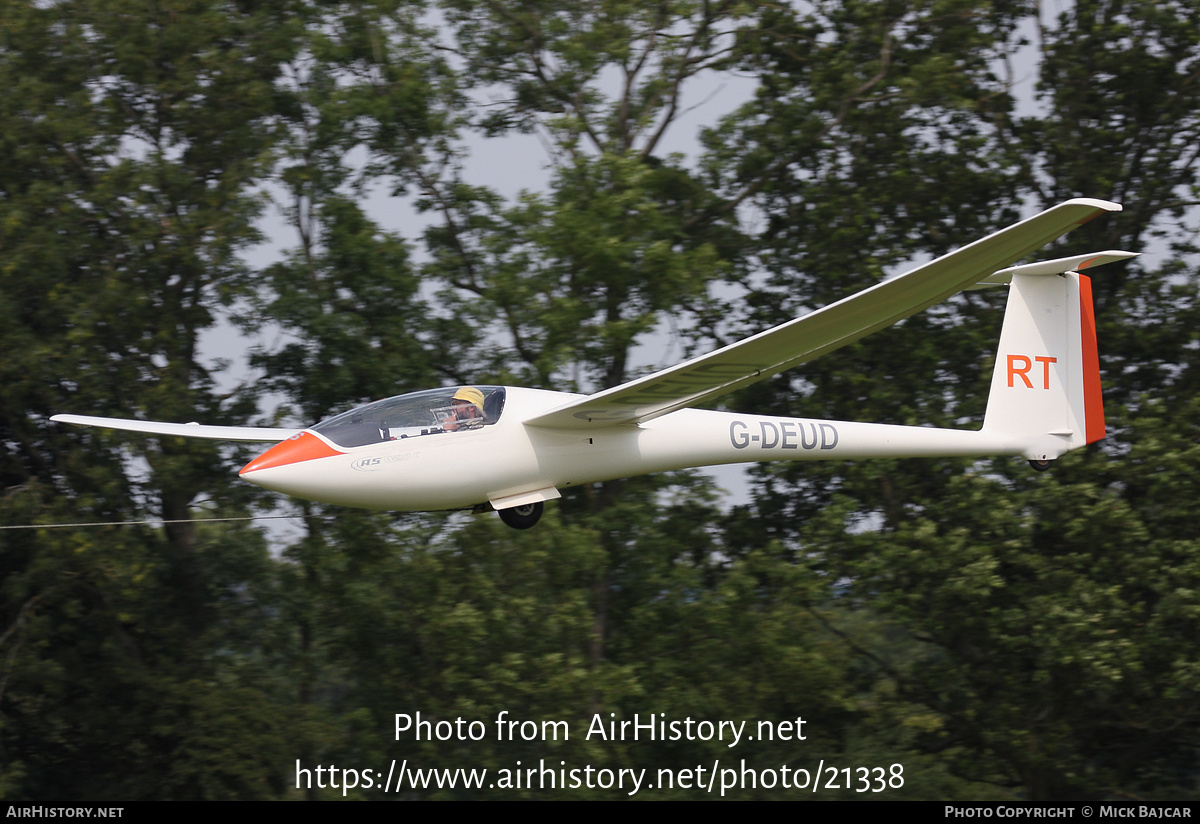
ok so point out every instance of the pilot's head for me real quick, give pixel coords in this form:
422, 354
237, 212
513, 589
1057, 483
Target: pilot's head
468, 403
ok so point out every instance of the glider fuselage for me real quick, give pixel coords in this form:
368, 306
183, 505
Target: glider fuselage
452, 470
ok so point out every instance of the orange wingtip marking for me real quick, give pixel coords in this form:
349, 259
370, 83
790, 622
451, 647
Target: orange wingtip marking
1089, 262
1093, 400
303, 447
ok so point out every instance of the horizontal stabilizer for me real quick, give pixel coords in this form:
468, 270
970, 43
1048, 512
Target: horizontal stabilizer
249, 434
1058, 266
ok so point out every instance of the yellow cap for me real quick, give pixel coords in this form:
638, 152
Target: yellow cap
471, 395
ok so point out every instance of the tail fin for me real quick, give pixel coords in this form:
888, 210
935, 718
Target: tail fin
1045, 392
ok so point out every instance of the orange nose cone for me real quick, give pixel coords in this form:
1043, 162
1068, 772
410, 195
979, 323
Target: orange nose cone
303, 447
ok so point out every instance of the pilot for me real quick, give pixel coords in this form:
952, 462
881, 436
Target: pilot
467, 406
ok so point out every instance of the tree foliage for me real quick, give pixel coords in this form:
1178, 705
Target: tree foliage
1000, 634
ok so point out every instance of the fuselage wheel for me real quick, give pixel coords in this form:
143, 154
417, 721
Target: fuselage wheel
522, 517
1041, 466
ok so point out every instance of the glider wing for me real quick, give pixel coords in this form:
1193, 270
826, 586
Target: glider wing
250, 434
831, 327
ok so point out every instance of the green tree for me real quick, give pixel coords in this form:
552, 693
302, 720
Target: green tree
1048, 614
995, 631
134, 137
853, 152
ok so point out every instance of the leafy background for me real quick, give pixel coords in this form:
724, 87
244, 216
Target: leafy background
1000, 633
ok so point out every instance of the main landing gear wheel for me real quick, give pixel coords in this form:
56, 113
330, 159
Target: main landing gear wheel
1041, 466
522, 517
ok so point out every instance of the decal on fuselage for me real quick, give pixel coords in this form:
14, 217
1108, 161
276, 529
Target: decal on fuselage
378, 461
1019, 366
783, 435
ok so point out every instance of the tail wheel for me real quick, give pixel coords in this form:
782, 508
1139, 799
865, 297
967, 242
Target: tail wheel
522, 517
1041, 466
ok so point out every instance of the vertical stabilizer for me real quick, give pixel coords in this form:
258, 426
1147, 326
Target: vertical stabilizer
1045, 391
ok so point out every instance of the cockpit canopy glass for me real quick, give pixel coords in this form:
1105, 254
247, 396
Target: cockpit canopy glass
430, 412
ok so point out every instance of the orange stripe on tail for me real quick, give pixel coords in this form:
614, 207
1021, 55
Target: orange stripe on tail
1093, 401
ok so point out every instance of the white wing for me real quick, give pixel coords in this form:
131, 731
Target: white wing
798, 341
253, 434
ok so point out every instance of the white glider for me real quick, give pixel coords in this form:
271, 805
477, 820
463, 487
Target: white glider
510, 449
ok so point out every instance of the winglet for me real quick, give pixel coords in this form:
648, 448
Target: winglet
1102, 205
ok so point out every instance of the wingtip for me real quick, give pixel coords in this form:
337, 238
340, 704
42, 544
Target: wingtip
1095, 203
